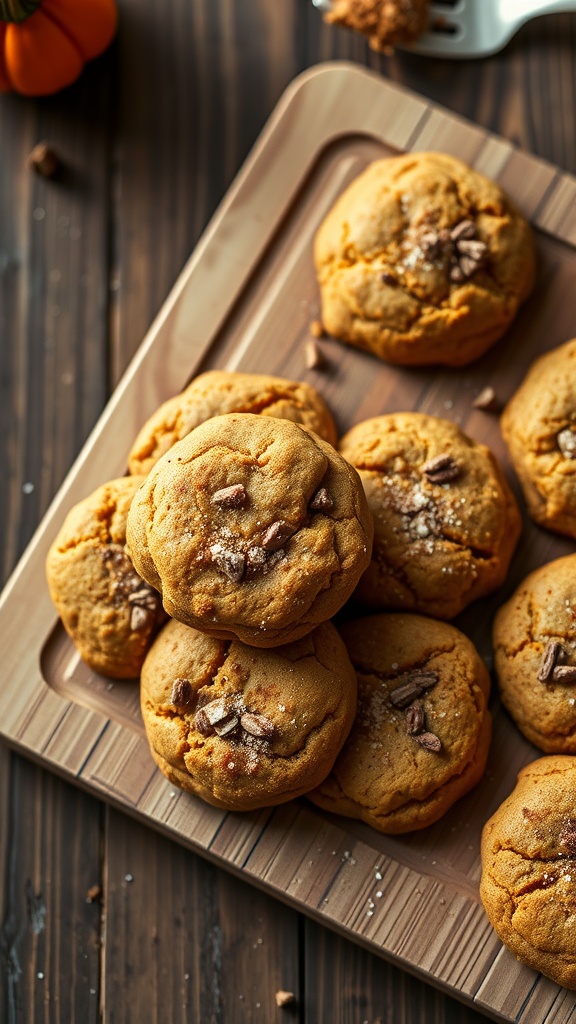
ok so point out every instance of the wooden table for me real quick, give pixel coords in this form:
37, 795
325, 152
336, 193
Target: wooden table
100, 918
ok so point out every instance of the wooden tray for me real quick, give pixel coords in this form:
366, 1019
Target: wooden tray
245, 301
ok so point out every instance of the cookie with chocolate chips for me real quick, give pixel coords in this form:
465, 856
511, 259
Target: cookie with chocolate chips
422, 731
535, 656
539, 427
218, 392
445, 521
245, 728
422, 260
251, 527
528, 883
111, 614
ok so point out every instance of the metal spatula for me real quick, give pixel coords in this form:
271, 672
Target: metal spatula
474, 28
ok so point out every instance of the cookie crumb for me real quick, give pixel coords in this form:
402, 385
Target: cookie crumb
43, 160
285, 998
315, 358
487, 400
316, 329
93, 893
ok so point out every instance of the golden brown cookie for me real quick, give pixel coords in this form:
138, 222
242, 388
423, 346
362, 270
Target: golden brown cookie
111, 614
246, 728
535, 656
445, 521
384, 22
251, 527
539, 427
217, 392
422, 260
422, 731
528, 884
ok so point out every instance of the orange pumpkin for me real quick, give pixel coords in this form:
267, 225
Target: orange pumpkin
44, 44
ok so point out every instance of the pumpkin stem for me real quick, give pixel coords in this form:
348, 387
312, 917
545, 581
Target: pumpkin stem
17, 10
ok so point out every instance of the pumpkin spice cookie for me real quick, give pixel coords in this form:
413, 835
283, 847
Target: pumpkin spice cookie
422, 730
528, 884
386, 23
110, 613
218, 392
445, 521
539, 427
245, 728
251, 527
535, 656
422, 260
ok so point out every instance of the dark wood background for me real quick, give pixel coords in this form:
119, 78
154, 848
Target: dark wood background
150, 138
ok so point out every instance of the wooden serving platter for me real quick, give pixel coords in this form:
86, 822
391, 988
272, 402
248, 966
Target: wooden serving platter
245, 301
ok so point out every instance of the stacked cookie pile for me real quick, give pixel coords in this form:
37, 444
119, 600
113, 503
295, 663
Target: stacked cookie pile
215, 568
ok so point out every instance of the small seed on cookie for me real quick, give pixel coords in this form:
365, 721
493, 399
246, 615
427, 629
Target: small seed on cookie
144, 598
322, 502
139, 618
181, 692
424, 679
463, 229
441, 469
276, 535
566, 441
256, 725
430, 741
230, 497
564, 674
414, 718
218, 709
255, 557
231, 563
403, 695
551, 654
202, 724
226, 726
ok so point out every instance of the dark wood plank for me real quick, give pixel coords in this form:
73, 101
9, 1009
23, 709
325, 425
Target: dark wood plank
49, 937
184, 941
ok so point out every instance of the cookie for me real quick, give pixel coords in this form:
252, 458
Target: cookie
422, 260
445, 521
422, 730
539, 427
528, 884
218, 392
245, 728
251, 527
110, 613
384, 22
535, 656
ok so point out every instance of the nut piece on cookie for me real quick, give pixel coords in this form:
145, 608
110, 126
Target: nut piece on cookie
255, 728
539, 427
535, 656
111, 614
386, 23
528, 884
422, 730
218, 392
423, 261
445, 521
265, 569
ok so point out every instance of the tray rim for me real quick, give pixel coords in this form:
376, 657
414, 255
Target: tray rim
19, 731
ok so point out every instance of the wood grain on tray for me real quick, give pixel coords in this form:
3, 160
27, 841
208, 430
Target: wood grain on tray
246, 301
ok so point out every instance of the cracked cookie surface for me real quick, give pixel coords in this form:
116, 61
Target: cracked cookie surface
384, 22
539, 427
445, 520
251, 527
528, 884
535, 656
107, 609
422, 731
218, 392
423, 261
245, 728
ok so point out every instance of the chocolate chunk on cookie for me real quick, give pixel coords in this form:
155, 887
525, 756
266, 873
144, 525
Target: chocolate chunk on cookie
422, 731
445, 521
265, 569
528, 884
422, 260
251, 728
535, 656
218, 392
110, 612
